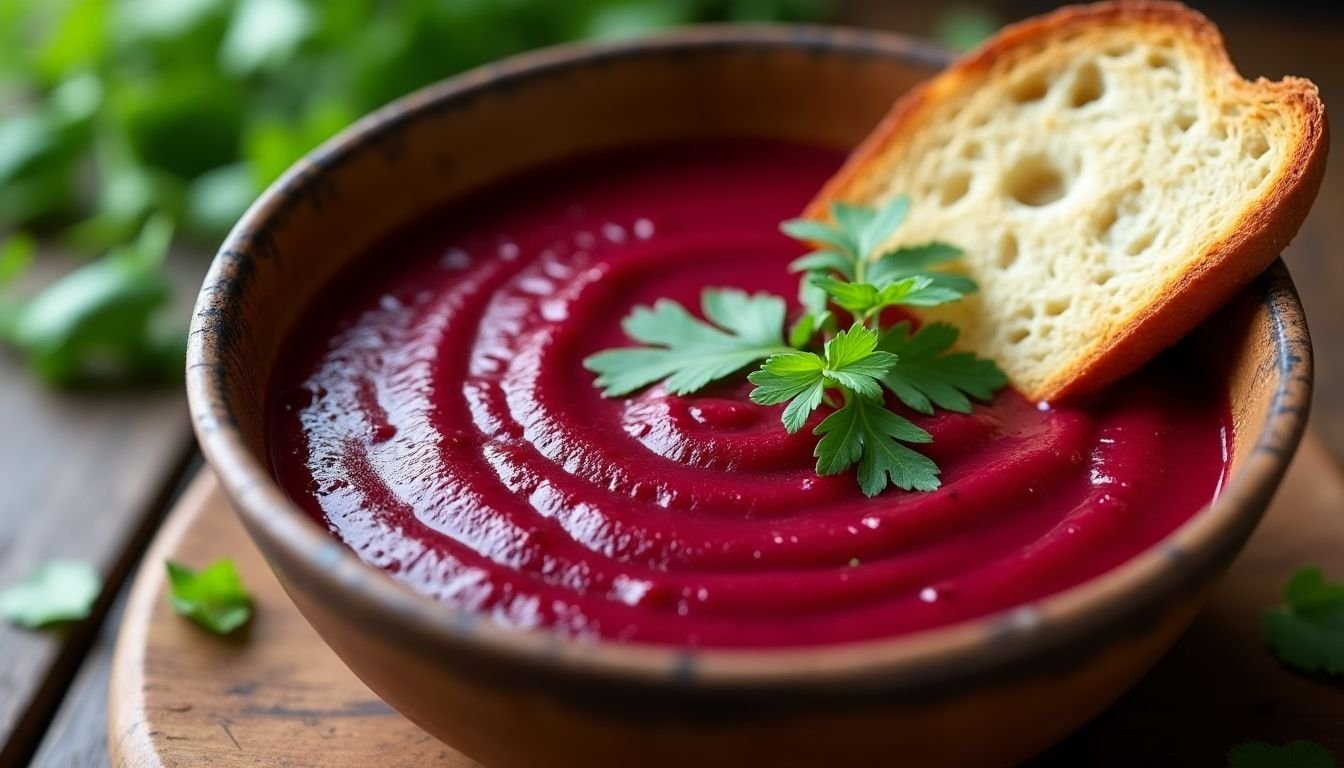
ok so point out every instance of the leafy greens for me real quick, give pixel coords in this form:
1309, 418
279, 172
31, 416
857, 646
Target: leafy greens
1307, 631
213, 597
852, 370
56, 591
113, 112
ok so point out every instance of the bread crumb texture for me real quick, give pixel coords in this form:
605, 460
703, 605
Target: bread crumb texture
1086, 169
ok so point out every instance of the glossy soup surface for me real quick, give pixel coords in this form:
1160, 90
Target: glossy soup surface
433, 413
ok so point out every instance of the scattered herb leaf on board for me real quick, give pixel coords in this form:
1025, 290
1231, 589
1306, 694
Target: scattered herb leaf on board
213, 597
1307, 630
56, 591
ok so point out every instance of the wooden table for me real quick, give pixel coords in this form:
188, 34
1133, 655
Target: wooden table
89, 476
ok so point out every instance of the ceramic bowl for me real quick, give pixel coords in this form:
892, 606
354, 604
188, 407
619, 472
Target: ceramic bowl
982, 693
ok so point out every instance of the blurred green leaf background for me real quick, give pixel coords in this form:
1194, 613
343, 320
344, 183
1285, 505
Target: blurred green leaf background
122, 121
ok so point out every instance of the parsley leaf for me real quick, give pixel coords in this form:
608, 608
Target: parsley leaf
859, 362
817, 316
850, 362
864, 431
60, 590
214, 597
1307, 631
897, 277
866, 298
843, 246
690, 352
795, 376
916, 260
1294, 754
807, 325
869, 227
929, 375
856, 233
824, 261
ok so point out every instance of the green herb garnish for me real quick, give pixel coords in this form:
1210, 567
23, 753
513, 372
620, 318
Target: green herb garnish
863, 430
688, 352
1294, 754
929, 375
1307, 631
849, 361
61, 590
847, 370
213, 597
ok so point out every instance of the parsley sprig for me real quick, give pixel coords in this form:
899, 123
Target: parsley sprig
56, 591
688, 352
1307, 631
849, 362
849, 370
213, 597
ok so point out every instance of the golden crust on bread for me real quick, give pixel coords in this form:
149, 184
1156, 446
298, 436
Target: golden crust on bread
1050, 98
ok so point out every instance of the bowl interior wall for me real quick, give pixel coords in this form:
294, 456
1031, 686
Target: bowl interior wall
340, 202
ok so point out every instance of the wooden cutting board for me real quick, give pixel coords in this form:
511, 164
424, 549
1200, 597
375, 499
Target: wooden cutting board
275, 695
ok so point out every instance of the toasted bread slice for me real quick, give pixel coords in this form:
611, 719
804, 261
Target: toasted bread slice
1111, 177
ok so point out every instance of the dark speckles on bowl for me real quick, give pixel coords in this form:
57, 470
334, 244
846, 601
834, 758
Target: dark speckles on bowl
982, 693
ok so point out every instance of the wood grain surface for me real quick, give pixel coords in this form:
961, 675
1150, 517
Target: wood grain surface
85, 477
119, 459
77, 736
272, 695
275, 695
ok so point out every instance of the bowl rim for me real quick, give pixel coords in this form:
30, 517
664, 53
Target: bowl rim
1045, 630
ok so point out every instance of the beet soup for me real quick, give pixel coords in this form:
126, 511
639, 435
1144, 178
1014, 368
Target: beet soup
435, 415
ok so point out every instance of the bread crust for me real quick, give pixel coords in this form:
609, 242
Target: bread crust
1235, 257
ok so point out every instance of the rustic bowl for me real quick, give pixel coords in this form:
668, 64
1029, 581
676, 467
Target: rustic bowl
982, 693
